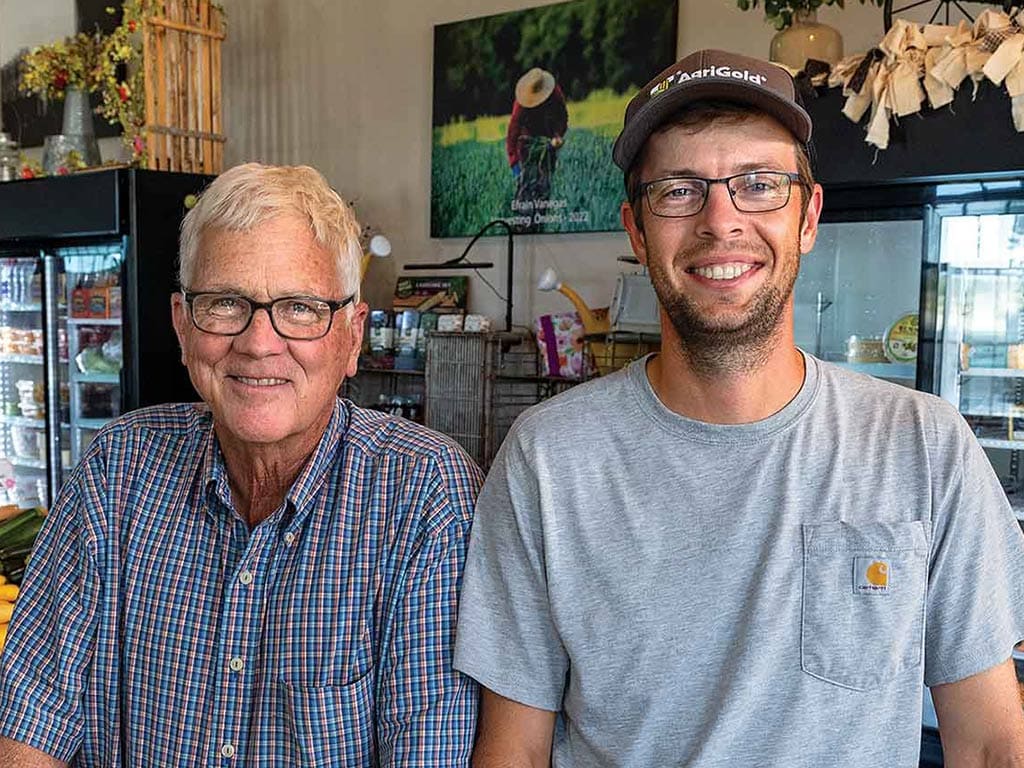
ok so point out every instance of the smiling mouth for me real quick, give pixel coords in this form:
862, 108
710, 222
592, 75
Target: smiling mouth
722, 271
260, 382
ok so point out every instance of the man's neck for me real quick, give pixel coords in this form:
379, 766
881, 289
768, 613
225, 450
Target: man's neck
732, 394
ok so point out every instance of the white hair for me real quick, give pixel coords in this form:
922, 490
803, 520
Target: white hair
248, 195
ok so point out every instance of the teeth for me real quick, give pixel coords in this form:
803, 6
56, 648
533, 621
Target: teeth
260, 382
723, 271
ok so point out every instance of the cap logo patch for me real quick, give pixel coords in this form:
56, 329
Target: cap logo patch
723, 71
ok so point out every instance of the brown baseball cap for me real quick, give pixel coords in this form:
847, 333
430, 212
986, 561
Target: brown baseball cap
716, 75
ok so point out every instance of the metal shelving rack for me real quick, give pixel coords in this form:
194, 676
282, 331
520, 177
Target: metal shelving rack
477, 384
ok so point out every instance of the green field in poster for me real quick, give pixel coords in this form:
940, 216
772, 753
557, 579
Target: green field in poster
585, 194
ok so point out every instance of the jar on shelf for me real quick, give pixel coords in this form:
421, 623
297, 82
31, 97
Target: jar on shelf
865, 349
9, 160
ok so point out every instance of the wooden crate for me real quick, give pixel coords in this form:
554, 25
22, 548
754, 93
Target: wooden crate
181, 55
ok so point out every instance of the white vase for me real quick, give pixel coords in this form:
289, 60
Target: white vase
805, 39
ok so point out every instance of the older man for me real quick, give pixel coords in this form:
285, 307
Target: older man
731, 553
267, 579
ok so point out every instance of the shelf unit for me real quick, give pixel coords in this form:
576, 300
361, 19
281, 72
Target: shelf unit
476, 384
395, 390
992, 373
21, 277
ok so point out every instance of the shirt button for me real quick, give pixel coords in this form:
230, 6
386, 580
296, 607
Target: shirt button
289, 538
228, 750
245, 577
236, 664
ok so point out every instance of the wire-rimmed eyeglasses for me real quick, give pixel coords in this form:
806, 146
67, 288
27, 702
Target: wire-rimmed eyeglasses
301, 318
752, 192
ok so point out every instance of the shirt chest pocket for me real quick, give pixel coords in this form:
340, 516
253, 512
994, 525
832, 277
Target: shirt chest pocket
328, 726
864, 589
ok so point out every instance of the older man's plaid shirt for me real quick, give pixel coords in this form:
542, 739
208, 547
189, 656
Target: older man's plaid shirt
156, 629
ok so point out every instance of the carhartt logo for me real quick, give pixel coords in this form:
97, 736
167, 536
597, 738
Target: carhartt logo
872, 575
724, 71
878, 573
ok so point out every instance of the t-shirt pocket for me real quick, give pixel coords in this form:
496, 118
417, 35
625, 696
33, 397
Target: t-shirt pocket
330, 725
864, 589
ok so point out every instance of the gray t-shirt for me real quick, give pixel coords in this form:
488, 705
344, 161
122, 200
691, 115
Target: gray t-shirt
775, 593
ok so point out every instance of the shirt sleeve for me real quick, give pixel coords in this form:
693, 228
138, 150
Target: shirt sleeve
512, 135
975, 610
507, 639
45, 663
426, 710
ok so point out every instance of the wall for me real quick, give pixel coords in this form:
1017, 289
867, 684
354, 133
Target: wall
346, 87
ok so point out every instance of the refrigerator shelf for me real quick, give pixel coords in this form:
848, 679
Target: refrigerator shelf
995, 442
883, 370
13, 306
91, 423
94, 321
7, 357
23, 421
23, 461
995, 373
1011, 271
1008, 411
96, 378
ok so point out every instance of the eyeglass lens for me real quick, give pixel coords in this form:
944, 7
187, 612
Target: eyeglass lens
750, 192
230, 315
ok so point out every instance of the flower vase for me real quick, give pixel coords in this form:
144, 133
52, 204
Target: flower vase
805, 39
77, 135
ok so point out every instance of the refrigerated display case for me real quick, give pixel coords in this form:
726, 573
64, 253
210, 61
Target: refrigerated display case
979, 342
858, 294
949, 255
87, 267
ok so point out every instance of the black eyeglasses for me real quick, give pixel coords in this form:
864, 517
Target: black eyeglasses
302, 318
754, 192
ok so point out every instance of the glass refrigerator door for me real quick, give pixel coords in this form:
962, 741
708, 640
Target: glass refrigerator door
23, 433
92, 276
979, 356
857, 296
980, 350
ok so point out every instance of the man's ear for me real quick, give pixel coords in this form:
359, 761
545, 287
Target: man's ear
809, 225
634, 228
356, 326
180, 318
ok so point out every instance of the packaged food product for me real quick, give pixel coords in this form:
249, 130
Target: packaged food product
900, 340
865, 349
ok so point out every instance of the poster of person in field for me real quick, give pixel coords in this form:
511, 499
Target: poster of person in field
527, 106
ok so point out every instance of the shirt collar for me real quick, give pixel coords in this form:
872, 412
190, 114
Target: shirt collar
302, 495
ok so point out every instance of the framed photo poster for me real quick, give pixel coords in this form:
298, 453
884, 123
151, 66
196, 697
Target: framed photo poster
527, 106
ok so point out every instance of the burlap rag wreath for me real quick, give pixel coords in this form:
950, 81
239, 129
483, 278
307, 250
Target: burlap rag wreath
915, 62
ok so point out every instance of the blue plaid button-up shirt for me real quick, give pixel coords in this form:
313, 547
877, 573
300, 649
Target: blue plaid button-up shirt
155, 628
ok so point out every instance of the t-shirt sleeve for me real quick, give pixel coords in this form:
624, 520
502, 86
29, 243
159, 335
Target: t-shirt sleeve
46, 660
506, 637
975, 611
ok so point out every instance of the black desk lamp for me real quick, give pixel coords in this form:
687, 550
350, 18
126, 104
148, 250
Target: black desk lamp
458, 263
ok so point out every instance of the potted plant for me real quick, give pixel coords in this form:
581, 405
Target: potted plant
782, 14
74, 63
800, 37
110, 65
67, 70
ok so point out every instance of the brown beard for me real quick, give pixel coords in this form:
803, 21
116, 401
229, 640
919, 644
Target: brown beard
715, 348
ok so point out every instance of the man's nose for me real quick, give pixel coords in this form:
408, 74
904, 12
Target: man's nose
261, 331
719, 216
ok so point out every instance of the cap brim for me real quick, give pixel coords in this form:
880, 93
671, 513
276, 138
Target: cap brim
649, 117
